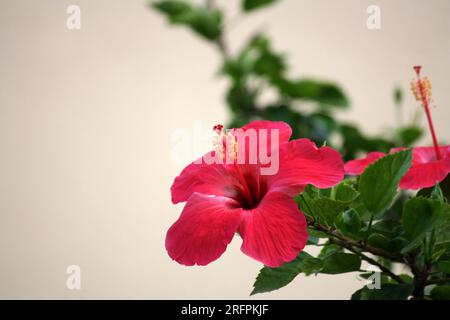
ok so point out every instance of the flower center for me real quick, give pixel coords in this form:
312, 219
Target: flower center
250, 186
421, 88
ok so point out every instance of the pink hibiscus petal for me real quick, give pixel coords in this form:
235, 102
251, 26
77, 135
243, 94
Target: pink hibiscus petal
275, 231
255, 143
425, 175
356, 167
283, 128
428, 154
204, 229
426, 170
208, 179
302, 163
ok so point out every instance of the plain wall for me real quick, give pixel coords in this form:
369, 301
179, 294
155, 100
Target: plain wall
86, 119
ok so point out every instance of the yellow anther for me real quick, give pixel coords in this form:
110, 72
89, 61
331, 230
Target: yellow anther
225, 145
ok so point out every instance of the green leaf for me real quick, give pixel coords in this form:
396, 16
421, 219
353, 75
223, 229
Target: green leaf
378, 183
421, 215
348, 222
437, 255
355, 141
380, 241
326, 210
444, 187
270, 279
328, 250
321, 92
240, 99
173, 8
398, 96
408, 135
205, 22
386, 292
345, 192
270, 64
249, 5
317, 234
437, 194
444, 266
311, 265
312, 240
316, 204
441, 292
388, 228
341, 262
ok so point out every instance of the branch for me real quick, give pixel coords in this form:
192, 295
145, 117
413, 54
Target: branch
371, 261
356, 244
220, 41
223, 48
351, 245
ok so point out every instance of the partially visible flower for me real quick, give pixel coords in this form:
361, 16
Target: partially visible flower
424, 172
356, 167
426, 169
227, 198
429, 164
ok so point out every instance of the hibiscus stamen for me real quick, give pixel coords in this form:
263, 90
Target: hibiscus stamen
226, 147
422, 92
225, 144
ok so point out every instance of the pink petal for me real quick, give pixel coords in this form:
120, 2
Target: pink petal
356, 167
203, 231
255, 143
302, 163
284, 129
275, 231
428, 154
426, 170
208, 179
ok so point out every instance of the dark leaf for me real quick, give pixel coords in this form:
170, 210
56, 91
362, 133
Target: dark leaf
444, 266
203, 21
441, 292
341, 263
386, 292
398, 96
317, 91
444, 186
348, 222
378, 183
270, 279
249, 5
421, 215
408, 135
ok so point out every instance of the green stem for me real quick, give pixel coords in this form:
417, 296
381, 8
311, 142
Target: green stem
357, 244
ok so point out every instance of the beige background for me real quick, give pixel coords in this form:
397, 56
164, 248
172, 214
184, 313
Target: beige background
86, 119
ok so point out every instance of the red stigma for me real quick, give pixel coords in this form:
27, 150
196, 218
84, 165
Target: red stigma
424, 93
218, 128
417, 69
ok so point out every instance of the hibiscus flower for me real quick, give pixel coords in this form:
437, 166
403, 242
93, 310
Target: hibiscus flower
430, 165
426, 169
223, 199
356, 167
